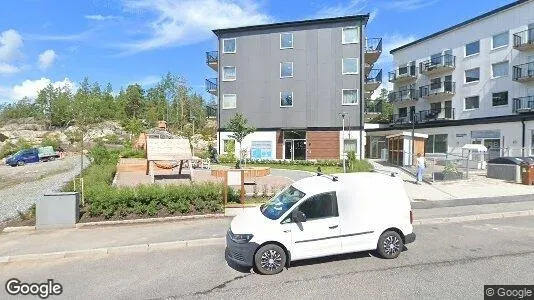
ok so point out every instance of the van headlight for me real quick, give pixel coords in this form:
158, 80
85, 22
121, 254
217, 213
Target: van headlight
240, 238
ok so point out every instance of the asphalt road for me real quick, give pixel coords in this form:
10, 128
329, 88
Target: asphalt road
447, 261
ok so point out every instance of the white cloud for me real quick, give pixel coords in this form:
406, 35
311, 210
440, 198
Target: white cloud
47, 59
30, 88
148, 80
101, 17
390, 42
342, 9
10, 45
407, 5
7, 69
182, 22
61, 37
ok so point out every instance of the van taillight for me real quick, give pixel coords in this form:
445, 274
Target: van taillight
411, 216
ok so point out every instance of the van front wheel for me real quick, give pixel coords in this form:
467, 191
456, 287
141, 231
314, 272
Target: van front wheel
390, 245
270, 259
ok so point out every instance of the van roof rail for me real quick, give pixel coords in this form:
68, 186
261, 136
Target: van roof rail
334, 178
390, 173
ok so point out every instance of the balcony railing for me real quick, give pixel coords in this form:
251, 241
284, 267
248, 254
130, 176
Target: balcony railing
402, 95
446, 61
445, 113
524, 39
404, 118
524, 72
373, 106
375, 76
373, 45
407, 72
523, 104
212, 57
211, 85
439, 88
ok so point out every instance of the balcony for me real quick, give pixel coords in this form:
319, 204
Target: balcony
212, 59
211, 86
404, 95
446, 113
211, 111
373, 80
438, 64
401, 119
523, 73
373, 107
403, 74
523, 105
438, 91
373, 49
524, 40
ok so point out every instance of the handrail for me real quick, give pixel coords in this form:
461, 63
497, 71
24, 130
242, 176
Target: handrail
212, 57
524, 37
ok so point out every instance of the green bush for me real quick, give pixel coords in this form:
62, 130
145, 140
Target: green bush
132, 153
100, 155
51, 140
323, 163
12, 148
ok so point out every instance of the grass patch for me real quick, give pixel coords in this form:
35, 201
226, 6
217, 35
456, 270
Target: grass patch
327, 168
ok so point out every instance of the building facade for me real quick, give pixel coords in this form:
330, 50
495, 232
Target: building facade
297, 83
470, 83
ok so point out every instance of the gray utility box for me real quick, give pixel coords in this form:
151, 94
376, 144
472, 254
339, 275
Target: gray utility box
57, 210
505, 172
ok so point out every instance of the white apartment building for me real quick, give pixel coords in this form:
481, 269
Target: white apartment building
470, 83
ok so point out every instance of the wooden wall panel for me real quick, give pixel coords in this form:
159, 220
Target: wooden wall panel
323, 144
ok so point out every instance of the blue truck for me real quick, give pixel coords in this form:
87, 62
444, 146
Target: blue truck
32, 155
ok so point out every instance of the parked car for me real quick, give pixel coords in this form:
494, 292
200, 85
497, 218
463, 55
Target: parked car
322, 216
32, 155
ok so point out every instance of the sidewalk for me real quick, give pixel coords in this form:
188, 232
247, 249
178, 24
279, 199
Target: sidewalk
95, 240
477, 186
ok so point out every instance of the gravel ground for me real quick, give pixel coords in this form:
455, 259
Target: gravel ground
20, 197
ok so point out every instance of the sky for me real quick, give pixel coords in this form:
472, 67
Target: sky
138, 41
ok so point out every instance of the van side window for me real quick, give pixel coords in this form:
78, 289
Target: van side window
320, 206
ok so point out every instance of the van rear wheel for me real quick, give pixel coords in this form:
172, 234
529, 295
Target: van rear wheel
20, 163
390, 245
270, 259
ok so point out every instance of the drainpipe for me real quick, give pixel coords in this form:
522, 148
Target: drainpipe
523, 137
362, 82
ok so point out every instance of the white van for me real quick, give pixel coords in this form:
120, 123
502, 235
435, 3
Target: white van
323, 215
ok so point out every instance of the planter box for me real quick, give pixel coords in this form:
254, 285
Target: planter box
442, 176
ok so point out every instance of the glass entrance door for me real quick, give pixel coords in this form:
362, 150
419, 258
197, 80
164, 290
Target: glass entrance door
295, 149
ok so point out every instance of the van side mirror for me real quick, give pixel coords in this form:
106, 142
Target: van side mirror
298, 216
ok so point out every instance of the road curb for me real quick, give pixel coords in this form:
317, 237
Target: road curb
140, 248
124, 222
479, 217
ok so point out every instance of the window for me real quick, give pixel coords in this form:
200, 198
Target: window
500, 69
472, 75
350, 97
228, 145
350, 66
403, 112
350, 35
320, 206
286, 40
286, 99
229, 73
472, 48
436, 143
350, 145
229, 45
500, 40
500, 98
472, 102
286, 69
435, 83
229, 101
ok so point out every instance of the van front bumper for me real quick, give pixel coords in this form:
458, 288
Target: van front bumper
409, 238
241, 254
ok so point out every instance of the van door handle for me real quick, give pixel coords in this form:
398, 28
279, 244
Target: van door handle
333, 226
287, 230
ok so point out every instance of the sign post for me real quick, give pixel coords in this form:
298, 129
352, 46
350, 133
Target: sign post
235, 178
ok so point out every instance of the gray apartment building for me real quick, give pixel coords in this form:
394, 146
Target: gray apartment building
299, 83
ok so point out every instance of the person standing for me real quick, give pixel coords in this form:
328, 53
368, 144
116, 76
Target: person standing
420, 163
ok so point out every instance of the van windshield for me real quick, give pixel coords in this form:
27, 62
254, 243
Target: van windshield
280, 204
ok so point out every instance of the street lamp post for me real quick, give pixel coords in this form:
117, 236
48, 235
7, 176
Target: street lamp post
343, 142
413, 137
